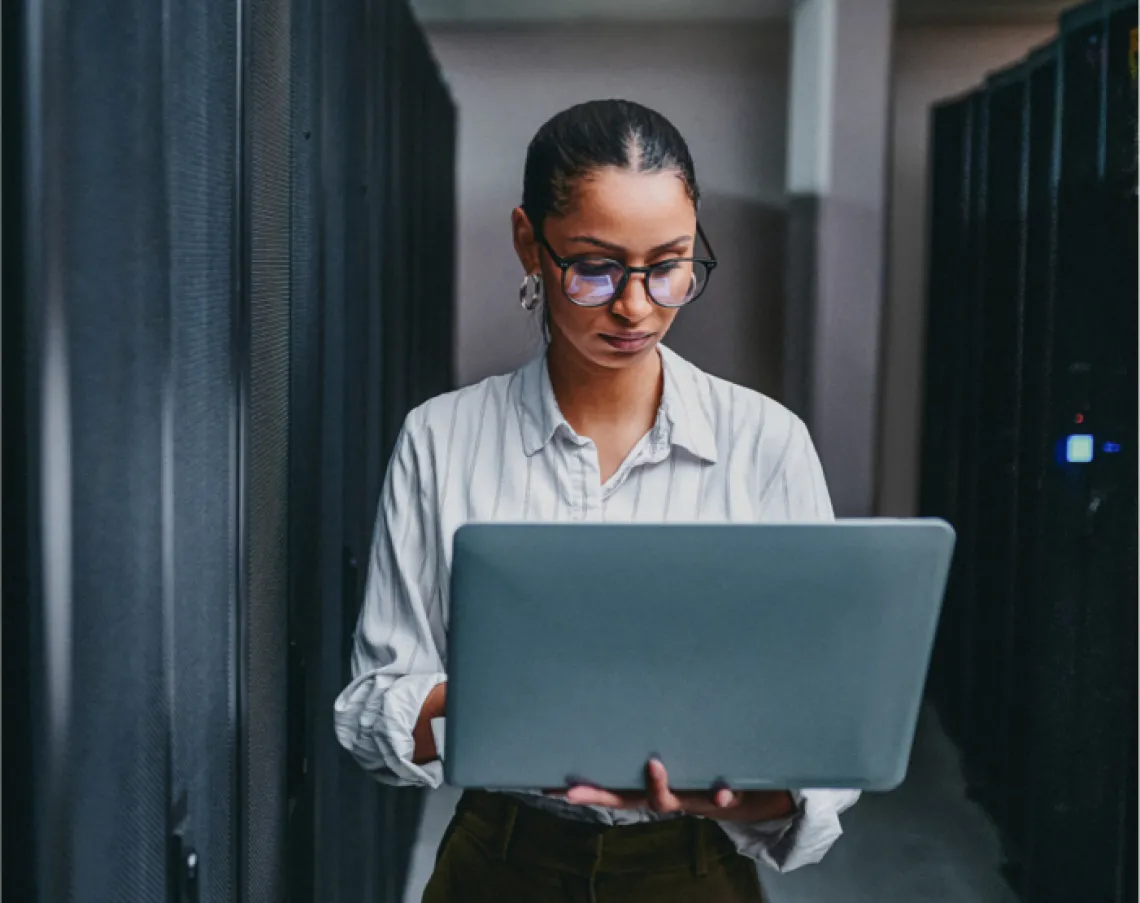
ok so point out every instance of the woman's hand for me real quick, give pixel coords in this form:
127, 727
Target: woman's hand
435, 706
722, 803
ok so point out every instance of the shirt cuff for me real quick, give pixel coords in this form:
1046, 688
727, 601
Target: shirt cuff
800, 839
385, 744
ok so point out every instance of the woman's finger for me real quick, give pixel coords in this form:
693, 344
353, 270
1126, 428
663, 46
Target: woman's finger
724, 798
661, 798
595, 796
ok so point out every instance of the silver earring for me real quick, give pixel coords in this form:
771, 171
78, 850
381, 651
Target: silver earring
531, 292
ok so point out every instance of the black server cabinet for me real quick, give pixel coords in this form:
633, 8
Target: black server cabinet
126, 133
99, 243
339, 859
200, 89
305, 428
1039, 238
19, 470
944, 412
374, 183
264, 386
1119, 404
1084, 709
960, 653
997, 352
198, 416
345, 835
1030, 450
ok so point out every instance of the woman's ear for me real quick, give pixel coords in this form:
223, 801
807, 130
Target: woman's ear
526, 245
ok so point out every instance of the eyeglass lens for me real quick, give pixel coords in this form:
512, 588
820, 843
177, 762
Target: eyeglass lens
671, 283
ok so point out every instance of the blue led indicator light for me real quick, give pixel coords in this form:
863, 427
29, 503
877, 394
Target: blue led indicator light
1079, 449
1111, 448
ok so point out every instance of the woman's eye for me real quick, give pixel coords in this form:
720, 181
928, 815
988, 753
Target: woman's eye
593, 268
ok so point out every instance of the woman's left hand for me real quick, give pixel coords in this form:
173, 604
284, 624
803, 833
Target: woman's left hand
721, 804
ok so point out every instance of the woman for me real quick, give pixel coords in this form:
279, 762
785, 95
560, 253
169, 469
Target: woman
607, 425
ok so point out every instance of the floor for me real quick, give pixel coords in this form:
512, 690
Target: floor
924, 843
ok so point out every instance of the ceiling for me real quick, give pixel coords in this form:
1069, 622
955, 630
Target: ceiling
521, 12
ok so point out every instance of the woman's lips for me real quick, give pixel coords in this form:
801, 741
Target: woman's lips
628, 342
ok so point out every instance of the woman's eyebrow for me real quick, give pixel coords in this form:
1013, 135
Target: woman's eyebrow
618, 249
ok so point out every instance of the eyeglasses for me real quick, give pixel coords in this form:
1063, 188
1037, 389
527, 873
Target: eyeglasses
597, 281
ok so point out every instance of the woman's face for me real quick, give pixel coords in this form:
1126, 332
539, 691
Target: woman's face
635, 218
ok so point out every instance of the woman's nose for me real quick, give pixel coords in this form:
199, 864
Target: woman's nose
633, 303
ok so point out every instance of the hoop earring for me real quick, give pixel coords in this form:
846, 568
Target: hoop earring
532, 292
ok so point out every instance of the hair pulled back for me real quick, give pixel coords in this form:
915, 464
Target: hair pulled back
593, 135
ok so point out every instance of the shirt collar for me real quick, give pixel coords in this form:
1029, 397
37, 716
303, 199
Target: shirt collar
682, 419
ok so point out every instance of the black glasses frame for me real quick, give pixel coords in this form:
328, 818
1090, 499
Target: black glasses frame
564, 264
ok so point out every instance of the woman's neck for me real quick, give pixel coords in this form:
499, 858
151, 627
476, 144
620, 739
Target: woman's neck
592, 397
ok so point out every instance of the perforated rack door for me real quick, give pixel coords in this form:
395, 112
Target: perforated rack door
97, 258
200, 96
267, 119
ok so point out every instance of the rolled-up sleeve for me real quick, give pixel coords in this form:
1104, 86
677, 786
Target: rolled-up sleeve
800, 490
395, 659
803, 838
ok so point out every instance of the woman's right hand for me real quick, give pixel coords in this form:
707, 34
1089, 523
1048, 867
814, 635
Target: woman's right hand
434, 707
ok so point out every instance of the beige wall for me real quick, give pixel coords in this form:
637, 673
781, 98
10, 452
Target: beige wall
724, 87
931, 63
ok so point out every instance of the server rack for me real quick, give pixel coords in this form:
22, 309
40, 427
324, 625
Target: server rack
1036, 659
21, 544
1088, 693
212, 290
963, 296
989, 433
373, 64
996, 632
944, 403
1119, 403
97, 391
352, 64
201, 128
1034, 454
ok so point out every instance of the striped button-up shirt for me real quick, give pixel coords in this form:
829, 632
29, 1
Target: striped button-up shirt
502, 451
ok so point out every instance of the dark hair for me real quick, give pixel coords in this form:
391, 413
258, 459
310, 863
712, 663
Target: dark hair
592, 135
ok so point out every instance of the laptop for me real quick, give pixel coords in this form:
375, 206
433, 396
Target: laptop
785, 656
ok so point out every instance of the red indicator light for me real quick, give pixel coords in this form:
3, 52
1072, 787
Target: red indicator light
1080, 418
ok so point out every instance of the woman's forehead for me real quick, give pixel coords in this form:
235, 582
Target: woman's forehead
628, 208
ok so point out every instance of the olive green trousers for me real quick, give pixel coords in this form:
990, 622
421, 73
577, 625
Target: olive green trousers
498, 850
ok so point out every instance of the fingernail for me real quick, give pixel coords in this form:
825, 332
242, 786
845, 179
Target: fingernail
656, 757
576, 780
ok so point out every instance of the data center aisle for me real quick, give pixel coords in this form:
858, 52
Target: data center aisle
925, 843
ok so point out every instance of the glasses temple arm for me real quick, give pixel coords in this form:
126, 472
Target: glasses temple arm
701, 235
